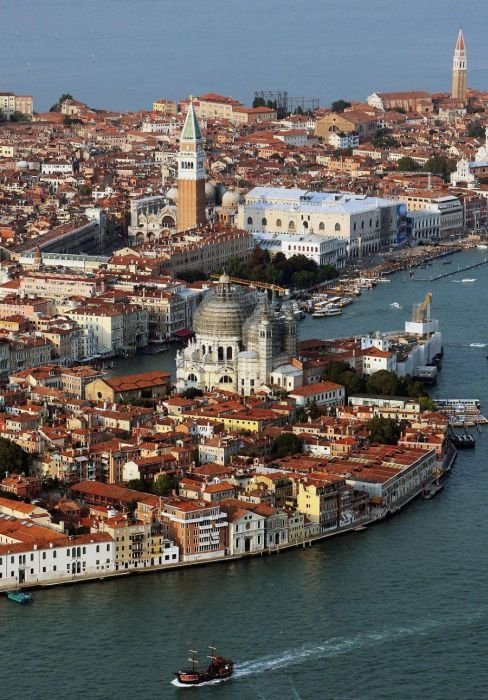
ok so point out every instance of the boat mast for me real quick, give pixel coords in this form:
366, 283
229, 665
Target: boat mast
193, 660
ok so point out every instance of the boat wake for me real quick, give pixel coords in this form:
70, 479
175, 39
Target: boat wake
177, 683
332, 647
339, 645
395, 305
477, 345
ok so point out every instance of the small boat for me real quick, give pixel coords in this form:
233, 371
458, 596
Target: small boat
395, 305
447, 262
477, 345
219, 668
19, 596
432, 490
468, 279
482, 246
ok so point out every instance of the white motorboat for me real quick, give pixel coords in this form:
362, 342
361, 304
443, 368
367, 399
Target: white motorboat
468, 279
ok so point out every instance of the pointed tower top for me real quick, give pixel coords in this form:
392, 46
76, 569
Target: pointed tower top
460, 41
191, 129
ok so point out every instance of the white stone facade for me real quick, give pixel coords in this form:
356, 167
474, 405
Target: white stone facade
364, 223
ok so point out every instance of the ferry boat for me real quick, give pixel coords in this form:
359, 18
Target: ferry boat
19, 596
219, 668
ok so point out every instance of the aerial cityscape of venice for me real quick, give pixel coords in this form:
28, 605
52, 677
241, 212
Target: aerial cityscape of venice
243, 350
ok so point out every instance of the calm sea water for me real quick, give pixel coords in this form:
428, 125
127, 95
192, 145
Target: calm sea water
399, 612
123, 54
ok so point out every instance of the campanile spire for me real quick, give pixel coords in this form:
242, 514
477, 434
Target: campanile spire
459, 69
191, 173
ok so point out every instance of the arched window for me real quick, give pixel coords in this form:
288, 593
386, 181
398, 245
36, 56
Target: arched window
220, 353
192, 378
264, 221
321, 226
249, 220
229, 353
278, 223
203, 349
337, 227
305, 224
291, 226
225, 379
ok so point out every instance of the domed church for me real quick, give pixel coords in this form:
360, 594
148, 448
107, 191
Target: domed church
241, 343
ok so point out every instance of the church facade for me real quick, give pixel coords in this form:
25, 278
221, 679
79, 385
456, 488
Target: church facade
241, 343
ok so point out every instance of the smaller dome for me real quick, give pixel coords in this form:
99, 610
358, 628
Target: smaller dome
248, 355
209, 192
172, 194
231, 199
224, 278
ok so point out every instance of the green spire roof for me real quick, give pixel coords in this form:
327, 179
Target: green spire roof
191, 130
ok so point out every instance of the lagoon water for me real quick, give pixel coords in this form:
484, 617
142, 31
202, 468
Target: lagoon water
398, 612
124, 54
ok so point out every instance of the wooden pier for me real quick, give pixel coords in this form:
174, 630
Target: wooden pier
452, 273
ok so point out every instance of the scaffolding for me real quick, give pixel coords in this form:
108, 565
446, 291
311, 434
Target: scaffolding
286, 104
258, 285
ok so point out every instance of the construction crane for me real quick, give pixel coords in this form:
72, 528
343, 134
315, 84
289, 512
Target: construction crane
259, 285
421, 312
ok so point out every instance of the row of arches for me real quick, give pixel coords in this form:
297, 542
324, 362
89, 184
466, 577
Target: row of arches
291, 224
225, 379
222, 353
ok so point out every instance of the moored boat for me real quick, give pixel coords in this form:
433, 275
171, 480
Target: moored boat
19, 596
219, 668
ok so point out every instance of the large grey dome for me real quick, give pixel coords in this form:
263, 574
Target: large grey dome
222, 312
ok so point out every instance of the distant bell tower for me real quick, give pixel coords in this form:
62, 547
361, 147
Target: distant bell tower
459, 69
191, 174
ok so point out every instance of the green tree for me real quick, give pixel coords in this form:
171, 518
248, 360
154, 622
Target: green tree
384, 430
287, 444
20, 117
383, 383
12, 458
259, 102
85, 190
137, 485
440, 165
408, 164
339, 105
383, 140
163, 484
192, 392
475, 130
314, 411
56, 107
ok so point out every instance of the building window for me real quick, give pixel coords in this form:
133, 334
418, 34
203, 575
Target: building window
249, 220
337, 227
263, 221
321, 226
291, 226
229, 353
278, 223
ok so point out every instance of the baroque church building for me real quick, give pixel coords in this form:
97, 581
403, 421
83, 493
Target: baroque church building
241, 343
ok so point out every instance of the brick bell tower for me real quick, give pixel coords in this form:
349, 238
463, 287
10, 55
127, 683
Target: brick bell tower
191, 174
459, 69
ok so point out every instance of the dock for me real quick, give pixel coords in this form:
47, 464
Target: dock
452, 273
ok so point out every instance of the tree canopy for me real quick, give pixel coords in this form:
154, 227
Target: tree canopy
12, 458
339, 105
56, 107
163, 484
384, 430
287, 444
297, 271
408, 164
